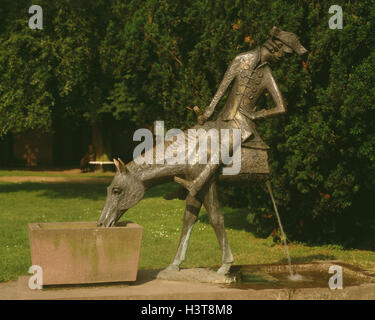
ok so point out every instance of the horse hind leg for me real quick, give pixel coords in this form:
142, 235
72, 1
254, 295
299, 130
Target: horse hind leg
192, 209
211, 203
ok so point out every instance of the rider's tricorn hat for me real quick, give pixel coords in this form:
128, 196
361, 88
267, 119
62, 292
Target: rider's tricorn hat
289, 39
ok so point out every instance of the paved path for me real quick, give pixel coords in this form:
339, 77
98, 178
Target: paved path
149, 288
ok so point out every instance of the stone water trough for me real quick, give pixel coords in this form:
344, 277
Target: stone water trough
82, 253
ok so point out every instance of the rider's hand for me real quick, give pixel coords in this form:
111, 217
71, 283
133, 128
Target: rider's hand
252, 116
260, 114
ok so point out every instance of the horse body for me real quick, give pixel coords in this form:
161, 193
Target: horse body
131, 182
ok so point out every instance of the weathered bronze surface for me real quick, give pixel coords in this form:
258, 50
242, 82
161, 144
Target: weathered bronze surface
252, 75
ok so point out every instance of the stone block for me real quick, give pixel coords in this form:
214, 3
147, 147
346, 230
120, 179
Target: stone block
80, 252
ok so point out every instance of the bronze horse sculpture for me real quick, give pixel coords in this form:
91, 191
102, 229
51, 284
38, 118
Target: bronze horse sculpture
252, 76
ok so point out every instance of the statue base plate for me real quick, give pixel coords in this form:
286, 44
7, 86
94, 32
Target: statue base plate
197, 274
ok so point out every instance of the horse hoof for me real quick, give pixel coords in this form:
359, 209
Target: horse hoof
173, 267
224, 269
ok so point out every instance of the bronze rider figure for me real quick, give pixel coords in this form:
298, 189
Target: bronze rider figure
252, 75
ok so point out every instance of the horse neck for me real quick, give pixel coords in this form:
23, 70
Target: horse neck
152, 173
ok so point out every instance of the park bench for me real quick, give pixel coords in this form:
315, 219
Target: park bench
94, 164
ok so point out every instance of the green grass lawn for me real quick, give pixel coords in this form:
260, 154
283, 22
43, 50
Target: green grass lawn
21, 203
37, 173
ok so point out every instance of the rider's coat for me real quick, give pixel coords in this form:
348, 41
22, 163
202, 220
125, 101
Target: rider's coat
251, 78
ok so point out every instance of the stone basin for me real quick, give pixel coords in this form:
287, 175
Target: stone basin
82, 253
274, 276
315, 275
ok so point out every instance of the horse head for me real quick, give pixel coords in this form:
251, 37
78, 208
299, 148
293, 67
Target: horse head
125, 191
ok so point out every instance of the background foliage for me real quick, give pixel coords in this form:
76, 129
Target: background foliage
140, 61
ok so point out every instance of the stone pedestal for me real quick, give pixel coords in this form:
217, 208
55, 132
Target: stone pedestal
80, 252
197, 274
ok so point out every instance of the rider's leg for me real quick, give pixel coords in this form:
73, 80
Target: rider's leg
194, 186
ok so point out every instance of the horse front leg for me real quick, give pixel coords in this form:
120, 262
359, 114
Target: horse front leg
193, 206
211, 203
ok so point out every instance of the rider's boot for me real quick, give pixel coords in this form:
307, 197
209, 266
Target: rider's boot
194, 186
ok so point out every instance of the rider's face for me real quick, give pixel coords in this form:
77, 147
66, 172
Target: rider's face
282, 50
278, 55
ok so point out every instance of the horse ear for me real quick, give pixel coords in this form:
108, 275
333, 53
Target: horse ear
122, 166
117, 165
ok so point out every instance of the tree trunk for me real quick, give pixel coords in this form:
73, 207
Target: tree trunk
101, 148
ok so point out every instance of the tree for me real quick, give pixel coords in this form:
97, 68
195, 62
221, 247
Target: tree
140, 61
52, 73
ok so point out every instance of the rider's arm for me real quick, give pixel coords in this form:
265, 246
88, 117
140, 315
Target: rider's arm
228, 77
273, 89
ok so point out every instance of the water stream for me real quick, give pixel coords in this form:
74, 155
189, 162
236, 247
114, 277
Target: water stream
293, 276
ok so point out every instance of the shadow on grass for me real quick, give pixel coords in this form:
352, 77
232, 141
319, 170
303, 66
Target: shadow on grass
67, 190
235, 219
57, 190
309, 258
161, 190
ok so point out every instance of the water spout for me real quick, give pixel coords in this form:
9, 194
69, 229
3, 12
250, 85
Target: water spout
293, 276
